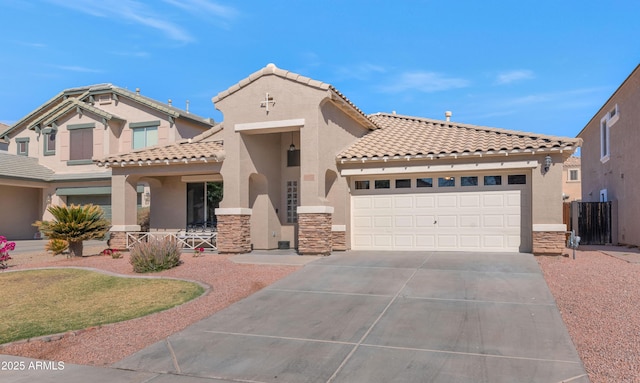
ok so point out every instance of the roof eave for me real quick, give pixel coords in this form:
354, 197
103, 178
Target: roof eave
568, 149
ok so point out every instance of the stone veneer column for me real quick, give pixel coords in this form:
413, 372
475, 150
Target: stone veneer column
234, 230
549, 239
339, 237
314, 230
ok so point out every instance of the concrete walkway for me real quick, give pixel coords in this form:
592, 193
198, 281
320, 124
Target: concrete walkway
368, 317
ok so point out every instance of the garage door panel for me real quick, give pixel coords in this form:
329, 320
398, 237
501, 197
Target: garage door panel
404, 221
385, 241
447, 242
363, 241
469, 221
425, 220
425, 201
426, 242
488, 220
360, 222
493, 200
513, 220
383, 221
472, 200
493, 241
470, 241
382, 202
513, 199
362, 202
403, 241
447, 221
493, 220
447, 201
403, 202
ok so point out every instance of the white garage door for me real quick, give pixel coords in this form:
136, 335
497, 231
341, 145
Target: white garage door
478, 220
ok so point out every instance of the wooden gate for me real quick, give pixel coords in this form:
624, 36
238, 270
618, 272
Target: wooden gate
594, 223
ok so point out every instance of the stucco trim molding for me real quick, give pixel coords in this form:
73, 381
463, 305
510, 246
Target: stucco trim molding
530, 164
233, 211
125, 228
270, 126
339, 228
549, 227
315, 210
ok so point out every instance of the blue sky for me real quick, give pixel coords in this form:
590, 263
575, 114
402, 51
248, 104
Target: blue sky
539, 66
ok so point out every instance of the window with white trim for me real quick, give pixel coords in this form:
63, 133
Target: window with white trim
22, 145
606, 123
574, 175
49, 142
145, 134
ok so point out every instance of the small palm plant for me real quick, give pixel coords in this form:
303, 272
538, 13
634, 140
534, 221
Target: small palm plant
75, 224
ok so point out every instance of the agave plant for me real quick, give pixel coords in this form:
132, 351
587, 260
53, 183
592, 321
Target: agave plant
75, 224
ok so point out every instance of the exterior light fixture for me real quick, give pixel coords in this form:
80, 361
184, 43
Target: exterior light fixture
547, 163
48, 199
292, 147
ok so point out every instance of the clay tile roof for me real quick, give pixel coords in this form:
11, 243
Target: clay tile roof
572, 162
199, 149
414, 136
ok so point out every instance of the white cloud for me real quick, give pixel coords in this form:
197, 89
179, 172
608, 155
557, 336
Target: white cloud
513, 76
129, 10
426, 82
205, 7
72, 68
362, 71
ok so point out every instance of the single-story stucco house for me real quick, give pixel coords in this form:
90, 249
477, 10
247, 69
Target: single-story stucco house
301, 164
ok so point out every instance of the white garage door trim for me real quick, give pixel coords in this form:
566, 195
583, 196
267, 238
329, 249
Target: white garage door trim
459, 218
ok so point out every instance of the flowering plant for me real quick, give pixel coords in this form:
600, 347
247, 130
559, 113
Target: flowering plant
198, 251
5, 247
115, 254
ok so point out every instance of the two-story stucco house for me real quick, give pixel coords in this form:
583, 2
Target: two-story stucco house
572, 184
300, 163
48, 156
610, 157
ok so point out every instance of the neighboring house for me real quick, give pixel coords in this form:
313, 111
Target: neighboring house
4, 146
49, 156
571, 180
300, 163
610, 157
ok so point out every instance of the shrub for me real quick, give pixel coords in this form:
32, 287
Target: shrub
155, 255
143, 218
5, 247
75, 224
57, 246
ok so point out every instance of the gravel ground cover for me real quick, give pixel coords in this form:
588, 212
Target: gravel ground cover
599, 297
104, 345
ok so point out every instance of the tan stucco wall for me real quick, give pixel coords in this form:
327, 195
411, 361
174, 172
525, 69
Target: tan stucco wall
168, 192
546, 202
325, 132
619, 174
571, 189
20, 208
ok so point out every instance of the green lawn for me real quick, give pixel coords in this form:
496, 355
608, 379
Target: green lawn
42, 302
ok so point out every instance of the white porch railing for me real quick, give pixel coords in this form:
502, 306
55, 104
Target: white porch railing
186, 239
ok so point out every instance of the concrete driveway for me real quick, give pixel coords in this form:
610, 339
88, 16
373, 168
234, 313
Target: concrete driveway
375, 317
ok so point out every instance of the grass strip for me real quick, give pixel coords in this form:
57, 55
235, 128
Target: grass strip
42, 302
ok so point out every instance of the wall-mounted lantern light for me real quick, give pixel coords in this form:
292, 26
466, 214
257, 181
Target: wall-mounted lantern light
48, 199
292, 147
547, 163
